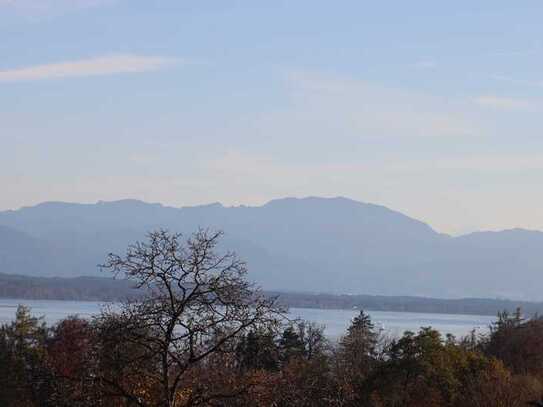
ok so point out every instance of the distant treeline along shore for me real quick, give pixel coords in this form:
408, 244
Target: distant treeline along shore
108, 289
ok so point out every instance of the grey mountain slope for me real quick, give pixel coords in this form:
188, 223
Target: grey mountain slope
21, 253
311, 244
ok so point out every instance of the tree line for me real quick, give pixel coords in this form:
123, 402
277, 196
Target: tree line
108, 289
202, 335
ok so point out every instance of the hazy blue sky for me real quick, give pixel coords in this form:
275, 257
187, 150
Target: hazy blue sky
431, 108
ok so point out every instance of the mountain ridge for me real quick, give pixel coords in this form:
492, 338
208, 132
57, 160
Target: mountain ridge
321, 244
272, 201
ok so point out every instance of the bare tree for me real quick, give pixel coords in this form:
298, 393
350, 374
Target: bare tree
197, 304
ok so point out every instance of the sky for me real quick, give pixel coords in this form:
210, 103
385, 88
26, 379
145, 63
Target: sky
429, 108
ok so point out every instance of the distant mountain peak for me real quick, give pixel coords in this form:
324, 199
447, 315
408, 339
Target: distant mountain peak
131, 202
213, 205
311, 198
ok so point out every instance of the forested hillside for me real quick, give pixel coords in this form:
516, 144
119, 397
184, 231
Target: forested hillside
108, 289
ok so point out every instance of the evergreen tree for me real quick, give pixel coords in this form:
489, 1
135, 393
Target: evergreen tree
361, 339
290, 344
24, 378
258, 350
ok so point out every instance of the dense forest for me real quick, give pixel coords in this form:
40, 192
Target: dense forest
73, 289
89, 363
202, 335
109, 289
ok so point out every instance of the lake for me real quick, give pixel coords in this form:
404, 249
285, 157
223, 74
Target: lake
335, 321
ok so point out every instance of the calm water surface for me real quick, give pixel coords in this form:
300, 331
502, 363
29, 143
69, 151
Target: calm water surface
335, 321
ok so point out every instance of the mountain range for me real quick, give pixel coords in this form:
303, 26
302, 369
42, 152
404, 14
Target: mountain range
333, 245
